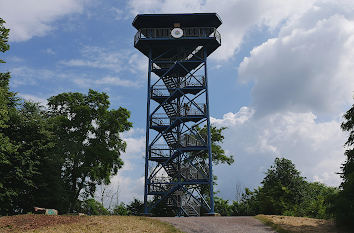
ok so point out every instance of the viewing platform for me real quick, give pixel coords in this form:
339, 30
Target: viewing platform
158, 31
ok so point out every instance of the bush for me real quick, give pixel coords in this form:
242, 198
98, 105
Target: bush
93, 207
121, 209
222, 206
136, 207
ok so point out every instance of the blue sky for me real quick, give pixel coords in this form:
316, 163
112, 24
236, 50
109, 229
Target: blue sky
280, 82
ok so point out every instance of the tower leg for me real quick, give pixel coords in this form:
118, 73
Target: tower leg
147, 138
211, 189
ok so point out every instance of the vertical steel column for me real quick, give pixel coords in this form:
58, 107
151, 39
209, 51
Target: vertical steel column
209, 136
147, 134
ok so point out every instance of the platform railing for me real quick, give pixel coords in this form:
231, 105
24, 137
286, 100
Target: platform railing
165, 33
191, 140
187, 82
186, 140
187, 110
193, 110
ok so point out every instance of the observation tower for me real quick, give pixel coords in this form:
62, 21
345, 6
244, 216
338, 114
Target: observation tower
178, 167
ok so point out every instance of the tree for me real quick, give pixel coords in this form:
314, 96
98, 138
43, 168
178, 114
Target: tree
222, 206
93, 207
217, 137
89, 140
218, 153
9, 158
4, 38
22, 141
316, 202
248, 204
136, 207
282, 187
121, 209
345, 202
6, 147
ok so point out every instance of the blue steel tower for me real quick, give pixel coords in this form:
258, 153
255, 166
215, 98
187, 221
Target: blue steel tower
178, 167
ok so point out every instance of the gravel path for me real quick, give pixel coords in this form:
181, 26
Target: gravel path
218, 224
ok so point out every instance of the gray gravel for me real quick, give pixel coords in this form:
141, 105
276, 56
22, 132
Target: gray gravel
217, 224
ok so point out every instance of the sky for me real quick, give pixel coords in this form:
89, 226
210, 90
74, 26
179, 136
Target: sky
280, 82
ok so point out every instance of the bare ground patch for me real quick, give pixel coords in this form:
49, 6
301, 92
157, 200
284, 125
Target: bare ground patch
289, 224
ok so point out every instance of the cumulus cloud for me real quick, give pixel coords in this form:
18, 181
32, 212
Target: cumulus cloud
239, 16
306, 69
105, 81
29, 18
108, 59
27, 76
33, 98
315, 147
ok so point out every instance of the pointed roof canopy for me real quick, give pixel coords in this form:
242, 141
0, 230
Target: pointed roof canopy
185, 20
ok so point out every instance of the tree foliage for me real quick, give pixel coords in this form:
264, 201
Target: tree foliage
4, 38
49, 157
285, 192
121, 209
217, 138
90, 144
344, 209
93, 207
282, 187
136, 207
23, 140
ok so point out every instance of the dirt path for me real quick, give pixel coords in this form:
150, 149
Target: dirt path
218, 224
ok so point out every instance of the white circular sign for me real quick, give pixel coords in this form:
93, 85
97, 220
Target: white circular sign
177, 33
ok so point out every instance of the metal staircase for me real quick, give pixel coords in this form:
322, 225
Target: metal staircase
178, 109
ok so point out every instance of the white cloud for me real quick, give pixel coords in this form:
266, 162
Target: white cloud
36, 99
316, 148
29, 18
305, 69
108, 59
25, 76
105, 81
48, 51
238, 16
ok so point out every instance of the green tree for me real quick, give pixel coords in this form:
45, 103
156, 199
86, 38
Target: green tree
282, 187
93, 207
315, 202
26, 143
222, 206
89, 140
136, 207
4, 38
217, 138
18, 156
248, 205
345, 201
6, 147
121, 209
218, 153
9, 185
36, 131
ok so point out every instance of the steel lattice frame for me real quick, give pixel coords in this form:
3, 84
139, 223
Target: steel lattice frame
178, 167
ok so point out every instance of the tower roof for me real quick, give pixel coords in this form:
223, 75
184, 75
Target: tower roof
185, 20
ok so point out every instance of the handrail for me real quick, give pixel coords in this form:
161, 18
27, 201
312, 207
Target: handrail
196, 109
165, 33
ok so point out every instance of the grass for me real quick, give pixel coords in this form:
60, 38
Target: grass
268, 222
290, 224
112, 224
107, 224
